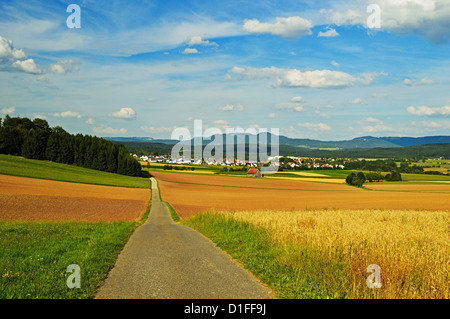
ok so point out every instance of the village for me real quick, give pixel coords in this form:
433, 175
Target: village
285, 162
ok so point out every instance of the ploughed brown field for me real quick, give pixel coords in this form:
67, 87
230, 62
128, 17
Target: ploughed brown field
30, 199
191, 194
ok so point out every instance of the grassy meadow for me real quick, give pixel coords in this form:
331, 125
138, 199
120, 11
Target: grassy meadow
35, 257
325, 254
19, 166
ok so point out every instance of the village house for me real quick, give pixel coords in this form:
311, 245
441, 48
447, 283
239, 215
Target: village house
254, 172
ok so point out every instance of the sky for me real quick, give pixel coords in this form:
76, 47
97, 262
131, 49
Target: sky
328, 70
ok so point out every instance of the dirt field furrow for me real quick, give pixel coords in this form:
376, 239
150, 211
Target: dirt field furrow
29, 199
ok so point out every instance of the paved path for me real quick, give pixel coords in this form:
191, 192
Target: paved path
164, 260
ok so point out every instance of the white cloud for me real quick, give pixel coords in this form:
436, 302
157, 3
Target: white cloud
297, 99
7, 50
190, 51
372, 121
290, 106
429, 19
15, 59
103, 129
315, 126
63, 66
328, 34
272, 115
289, 28
297, 78
335, 63
423, 81
356, 101
433, 124
8, 110
429, 111
377, 128
125, 113
230, 107
27, 66
90, 121
220, 122
379, 95
198, 40
67, 114
407, 82
426, 81
160, 129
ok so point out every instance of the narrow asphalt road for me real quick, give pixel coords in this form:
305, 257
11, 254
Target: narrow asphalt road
164, 260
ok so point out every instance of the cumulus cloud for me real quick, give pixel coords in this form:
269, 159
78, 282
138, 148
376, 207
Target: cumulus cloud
125, 113
103, 129
377, 128
14, 59
8, 110
423, 81
429, 19
190, 51
289, 28
8, 51
289, 106
27, 66
328, 34
64, 66
198, 40
230, 107
297, 78
429, 111
315, 126
356, 101
68, 114
335, 63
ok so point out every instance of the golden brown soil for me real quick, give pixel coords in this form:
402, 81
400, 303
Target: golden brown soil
191, 194
30, 199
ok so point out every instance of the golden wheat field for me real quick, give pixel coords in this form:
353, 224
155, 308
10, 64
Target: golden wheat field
411, 247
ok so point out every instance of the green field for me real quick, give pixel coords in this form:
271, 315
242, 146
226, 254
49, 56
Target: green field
19, 166
34, 256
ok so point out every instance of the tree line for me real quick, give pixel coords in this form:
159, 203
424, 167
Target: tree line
360, 178
35, 139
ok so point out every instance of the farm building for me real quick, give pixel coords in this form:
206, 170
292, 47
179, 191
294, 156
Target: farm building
254, 172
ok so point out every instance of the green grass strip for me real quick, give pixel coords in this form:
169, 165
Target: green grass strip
35, 256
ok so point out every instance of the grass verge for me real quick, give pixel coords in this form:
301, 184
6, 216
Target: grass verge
35, 257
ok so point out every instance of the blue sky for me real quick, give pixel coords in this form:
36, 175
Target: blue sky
313, 69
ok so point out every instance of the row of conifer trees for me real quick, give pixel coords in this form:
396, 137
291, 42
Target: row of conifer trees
35, 139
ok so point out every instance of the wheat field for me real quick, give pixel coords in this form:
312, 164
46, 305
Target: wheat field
410, 247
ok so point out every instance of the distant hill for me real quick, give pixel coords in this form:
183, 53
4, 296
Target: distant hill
410, 141
359, 142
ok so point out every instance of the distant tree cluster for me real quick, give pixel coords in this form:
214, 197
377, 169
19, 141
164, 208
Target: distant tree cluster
360, 178
178, 168
37, 140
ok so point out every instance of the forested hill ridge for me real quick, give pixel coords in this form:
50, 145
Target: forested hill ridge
363, 147
358, 142
35, 139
